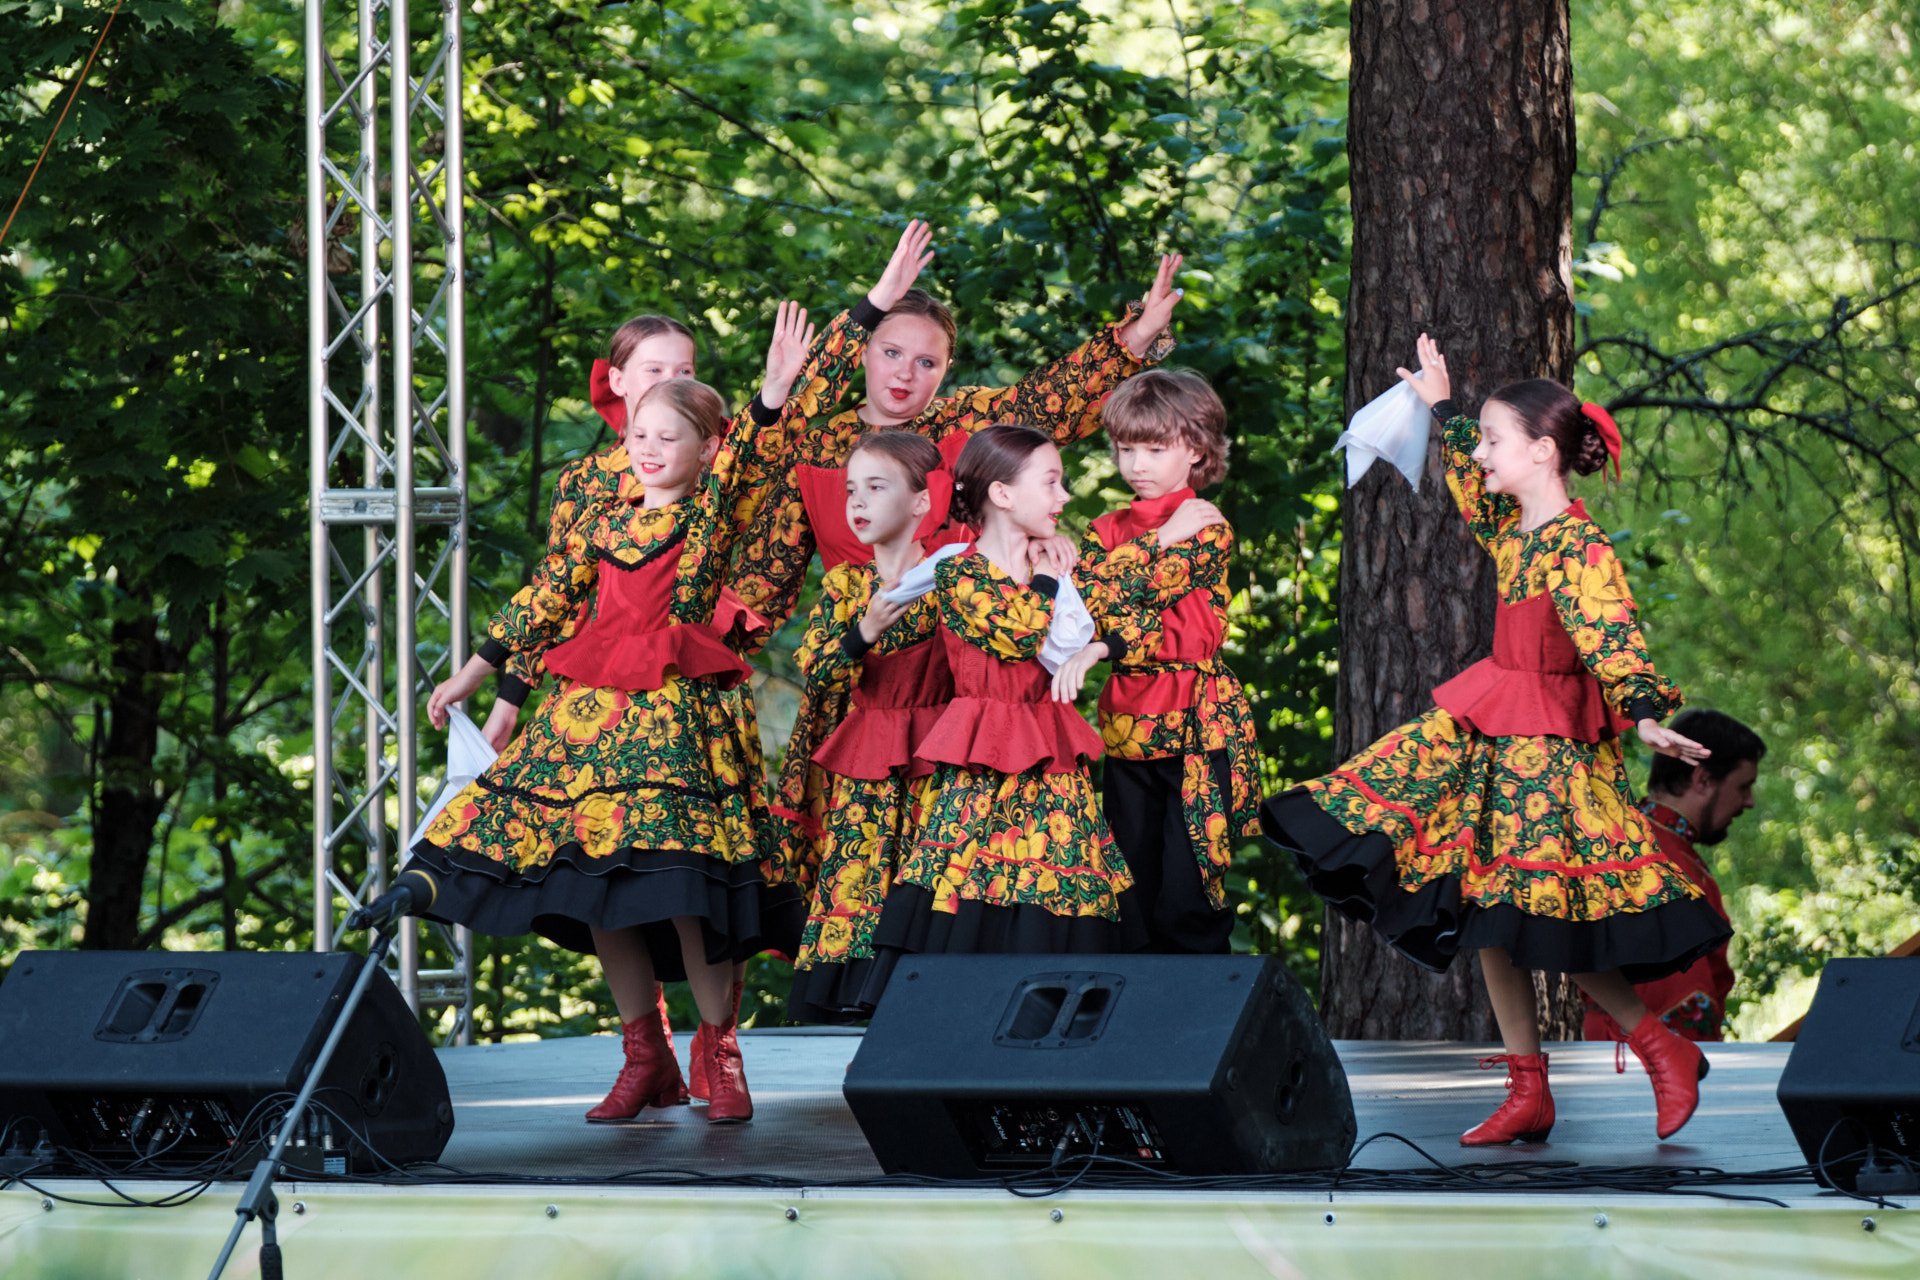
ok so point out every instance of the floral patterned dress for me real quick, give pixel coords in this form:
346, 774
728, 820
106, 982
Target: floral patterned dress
1013, 854
1501, 817
1182, 774
607, 476
876, 787
1062, 399
628, 799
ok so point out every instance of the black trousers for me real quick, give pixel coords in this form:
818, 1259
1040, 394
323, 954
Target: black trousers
1150, 826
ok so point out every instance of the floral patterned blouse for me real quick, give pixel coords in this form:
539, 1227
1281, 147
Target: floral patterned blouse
607, 475
1570, 558
1062, 399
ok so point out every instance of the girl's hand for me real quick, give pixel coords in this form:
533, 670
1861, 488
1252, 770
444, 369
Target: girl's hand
786, 354
458, 687
1067, 681
1668, 743
881, 614
1157, 308
1434, 387
500, 724
1053, 556
1189, 518
910, 258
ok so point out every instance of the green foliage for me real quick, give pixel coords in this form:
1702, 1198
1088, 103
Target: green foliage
1751, 168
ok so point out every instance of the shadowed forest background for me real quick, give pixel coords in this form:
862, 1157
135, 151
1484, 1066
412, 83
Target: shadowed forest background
1746, 254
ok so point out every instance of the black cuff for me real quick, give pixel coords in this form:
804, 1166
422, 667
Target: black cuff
762, 416
1044, 583
512, 690
493, 653
1116, 647
1446, 409
855, 645
866, 315
1642, 708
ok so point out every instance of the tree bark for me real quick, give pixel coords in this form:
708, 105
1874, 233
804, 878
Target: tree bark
128, 803
1460, 135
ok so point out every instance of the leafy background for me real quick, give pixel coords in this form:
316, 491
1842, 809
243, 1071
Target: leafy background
1742, 237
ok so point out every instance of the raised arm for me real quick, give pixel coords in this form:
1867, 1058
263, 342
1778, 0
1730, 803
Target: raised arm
1485, 513
1590, 595
1063, 398
832, 648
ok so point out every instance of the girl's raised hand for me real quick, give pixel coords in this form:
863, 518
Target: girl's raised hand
1053, 556
1434, 387
1156, 308
1668, 743
786, 354
910, 258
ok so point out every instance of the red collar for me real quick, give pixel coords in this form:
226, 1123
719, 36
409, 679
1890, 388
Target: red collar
1144, 514
1671, 819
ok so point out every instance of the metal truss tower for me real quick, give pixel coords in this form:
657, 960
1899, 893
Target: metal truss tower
387, 421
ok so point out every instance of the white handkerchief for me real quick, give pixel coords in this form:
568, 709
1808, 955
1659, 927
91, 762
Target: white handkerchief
468, 755
1393, 426
918, 580
1071, 629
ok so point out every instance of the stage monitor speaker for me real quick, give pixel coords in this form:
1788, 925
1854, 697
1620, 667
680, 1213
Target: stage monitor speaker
985, 1066
1851, 1088
153, 1061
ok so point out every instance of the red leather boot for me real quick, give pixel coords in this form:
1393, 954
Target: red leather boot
728, 1101
1527, 1114
649, 1078
1676, 1066
703, 1048
666, 1028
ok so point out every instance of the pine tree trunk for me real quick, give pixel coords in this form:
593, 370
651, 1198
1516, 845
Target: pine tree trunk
127, 804
1460, 134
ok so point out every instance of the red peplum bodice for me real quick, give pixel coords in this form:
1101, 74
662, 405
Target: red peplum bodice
1003, 717
1535, 683
632, 641
894, 708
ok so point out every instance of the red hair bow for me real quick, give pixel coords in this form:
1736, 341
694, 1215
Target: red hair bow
1609, 432
600, 392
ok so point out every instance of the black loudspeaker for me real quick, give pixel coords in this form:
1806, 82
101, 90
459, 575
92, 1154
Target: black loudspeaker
1851, 1088
150, 1061
985, 1066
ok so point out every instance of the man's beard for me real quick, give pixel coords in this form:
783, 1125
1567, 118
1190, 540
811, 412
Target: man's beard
1710, 837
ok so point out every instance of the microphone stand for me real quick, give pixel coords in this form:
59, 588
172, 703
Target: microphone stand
258, 1200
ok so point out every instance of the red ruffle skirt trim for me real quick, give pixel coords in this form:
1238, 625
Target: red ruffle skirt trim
607, 659
1502, 702
1010, 737
874, 743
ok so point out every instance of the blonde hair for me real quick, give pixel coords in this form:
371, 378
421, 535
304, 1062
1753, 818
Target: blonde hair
638, 330
697, 404
1171, 406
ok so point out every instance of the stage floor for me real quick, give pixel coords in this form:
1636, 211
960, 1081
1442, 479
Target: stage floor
518, 1110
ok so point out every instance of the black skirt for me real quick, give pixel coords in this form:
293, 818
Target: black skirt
566, 899
1358, 876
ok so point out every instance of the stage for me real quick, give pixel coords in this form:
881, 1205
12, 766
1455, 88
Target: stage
518, 1121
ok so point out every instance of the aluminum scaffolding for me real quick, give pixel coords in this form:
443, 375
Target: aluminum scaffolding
387, 420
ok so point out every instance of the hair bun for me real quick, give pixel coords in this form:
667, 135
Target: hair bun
1592, 454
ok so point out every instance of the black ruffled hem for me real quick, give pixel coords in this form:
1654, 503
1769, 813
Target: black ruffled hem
741, 915
835, 992
909, 925
1359, 877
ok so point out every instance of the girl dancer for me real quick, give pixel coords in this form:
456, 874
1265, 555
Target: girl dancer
905, 364
1498, 821
878, 668
1013, 855
1182, 779
623, 819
